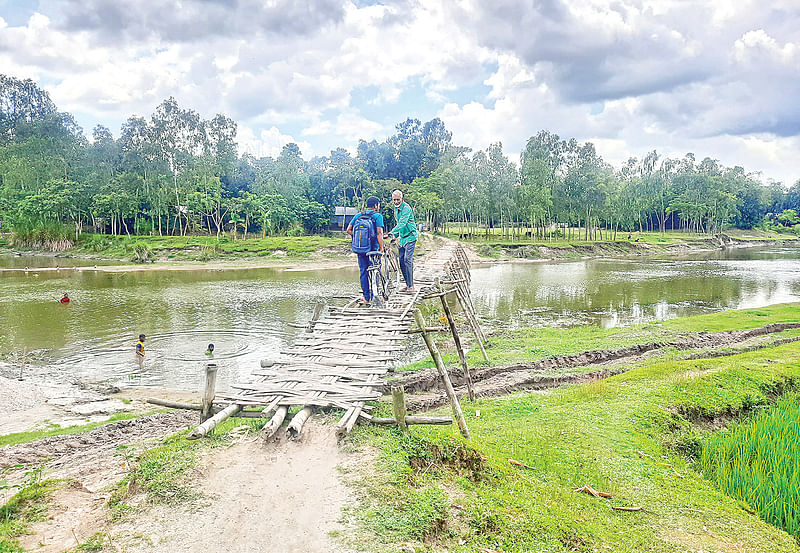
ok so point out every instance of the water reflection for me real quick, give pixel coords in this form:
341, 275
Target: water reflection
244, 313
613, 292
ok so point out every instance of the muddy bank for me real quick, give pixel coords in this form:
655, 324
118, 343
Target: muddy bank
543, 252
495, 381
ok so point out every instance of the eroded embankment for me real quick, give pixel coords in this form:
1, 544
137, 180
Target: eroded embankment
496, 381
78, 456
615, 248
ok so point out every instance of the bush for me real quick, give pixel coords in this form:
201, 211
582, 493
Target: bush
142, 253
43, 235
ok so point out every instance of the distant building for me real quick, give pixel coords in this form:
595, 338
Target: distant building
342, 217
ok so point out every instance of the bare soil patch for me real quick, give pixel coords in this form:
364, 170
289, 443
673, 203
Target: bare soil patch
280, 497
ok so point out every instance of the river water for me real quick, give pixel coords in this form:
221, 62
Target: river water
245, 312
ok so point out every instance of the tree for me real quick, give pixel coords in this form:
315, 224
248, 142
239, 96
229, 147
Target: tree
21, 102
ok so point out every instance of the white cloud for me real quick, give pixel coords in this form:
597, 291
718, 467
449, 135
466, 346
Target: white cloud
268, 142
631, 75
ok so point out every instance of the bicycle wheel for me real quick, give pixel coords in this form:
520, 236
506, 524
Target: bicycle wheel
375, 285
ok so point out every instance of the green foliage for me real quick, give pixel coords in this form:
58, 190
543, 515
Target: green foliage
634, 435
43, 235
758, 462
142, 252
177, 174
28, 505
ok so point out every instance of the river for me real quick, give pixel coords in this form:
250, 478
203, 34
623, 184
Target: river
245, 312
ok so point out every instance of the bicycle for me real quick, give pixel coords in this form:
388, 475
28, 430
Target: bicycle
383, 266
378, 281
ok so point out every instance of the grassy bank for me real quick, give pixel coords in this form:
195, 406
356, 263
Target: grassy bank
522, 345
28, 505
636, 436
494, 245
203, 248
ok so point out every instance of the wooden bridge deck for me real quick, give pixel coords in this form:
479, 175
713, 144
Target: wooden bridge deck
343, 362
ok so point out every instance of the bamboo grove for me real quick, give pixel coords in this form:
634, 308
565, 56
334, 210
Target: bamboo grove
176, 173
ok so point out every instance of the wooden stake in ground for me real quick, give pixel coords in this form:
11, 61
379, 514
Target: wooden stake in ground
456, 340
208, 394
440, 368
399, 407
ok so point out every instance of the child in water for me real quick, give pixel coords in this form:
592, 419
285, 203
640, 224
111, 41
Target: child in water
210, 350
140, 347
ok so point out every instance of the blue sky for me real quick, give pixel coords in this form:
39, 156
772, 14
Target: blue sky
719, 79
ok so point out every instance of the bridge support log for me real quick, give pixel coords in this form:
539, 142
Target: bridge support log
212, 423
296, 426
456, 340
274, 423
210, 391
411, 419
399, 407
443, 374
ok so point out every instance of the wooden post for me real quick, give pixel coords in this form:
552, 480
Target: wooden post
457, 341
399, 407
315, 316
440, 368
208, 395
22, 364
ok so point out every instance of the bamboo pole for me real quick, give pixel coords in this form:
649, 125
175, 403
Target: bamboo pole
296, 425
208, 394
457, 341
274, 423
174, 404
472, 324
399, 407
212, 423
410, 419
315, 316
448, 386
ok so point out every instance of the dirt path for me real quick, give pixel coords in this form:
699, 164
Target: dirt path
501, 380
281, 497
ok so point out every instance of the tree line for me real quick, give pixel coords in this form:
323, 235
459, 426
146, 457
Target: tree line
175, 173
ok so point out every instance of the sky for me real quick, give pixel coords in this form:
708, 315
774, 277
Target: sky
718, 78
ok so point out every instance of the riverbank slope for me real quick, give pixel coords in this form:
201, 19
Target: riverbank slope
513, 487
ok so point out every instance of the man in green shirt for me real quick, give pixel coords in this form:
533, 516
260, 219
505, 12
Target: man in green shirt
406, 232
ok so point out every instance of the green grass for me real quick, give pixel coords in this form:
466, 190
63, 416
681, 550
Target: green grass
637, 436
525, 345
758, 462
204, 248
27, 506
33, 435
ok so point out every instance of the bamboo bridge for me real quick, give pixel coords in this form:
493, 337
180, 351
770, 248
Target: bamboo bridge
342, 361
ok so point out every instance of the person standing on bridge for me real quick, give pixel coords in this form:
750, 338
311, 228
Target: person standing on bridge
406, 232
366, 229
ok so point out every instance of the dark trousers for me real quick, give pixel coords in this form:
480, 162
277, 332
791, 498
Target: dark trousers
407, 262
363, 265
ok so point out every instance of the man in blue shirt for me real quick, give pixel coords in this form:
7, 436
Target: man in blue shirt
373, 210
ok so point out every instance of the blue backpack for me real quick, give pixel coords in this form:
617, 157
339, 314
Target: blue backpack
364, 233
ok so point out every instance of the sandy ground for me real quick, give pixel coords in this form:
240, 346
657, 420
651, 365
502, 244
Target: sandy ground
283, 497
278, 497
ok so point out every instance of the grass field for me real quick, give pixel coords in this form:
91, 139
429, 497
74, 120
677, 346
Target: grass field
637, 436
